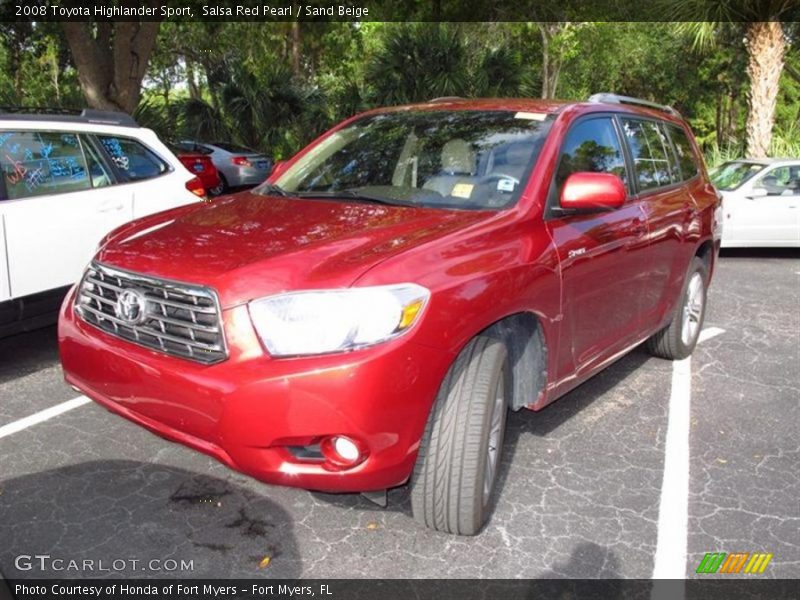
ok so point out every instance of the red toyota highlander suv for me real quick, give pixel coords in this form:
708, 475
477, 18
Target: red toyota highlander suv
367, 316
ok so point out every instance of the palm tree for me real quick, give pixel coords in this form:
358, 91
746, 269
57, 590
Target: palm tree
766, 44
417, 62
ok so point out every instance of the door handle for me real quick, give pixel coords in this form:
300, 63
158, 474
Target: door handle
111, 207
638, 227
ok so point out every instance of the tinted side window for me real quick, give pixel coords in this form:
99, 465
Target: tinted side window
591, 145
133, 159
674, 164
783, 181
686, 156
35, 163
650, 151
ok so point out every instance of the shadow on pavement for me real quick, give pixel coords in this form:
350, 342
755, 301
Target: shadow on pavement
26, 353
542, 423
760, 253
131, 511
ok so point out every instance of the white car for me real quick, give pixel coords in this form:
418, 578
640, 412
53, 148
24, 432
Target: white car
761, 202
68, 179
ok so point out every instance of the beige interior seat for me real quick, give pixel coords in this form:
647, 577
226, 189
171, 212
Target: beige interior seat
458, 166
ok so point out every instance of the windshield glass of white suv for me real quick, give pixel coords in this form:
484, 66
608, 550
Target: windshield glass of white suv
451, 159
733, 174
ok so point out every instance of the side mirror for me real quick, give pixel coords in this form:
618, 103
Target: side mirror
277, 169
757, 193
592, 191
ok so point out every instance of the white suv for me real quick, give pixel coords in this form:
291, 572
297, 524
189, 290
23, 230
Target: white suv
68, 179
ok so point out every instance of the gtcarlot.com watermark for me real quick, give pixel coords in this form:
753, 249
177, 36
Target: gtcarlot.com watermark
45, 563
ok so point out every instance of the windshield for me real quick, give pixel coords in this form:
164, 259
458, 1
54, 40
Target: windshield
731, 175
453, 159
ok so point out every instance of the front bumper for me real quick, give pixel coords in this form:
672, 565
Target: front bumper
251, 411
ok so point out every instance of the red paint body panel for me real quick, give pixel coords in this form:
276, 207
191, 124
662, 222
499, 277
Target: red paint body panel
201, 167
597, 282
243, 410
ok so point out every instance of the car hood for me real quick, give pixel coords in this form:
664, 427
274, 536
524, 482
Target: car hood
248, 246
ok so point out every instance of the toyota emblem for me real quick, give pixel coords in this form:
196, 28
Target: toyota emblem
130, 307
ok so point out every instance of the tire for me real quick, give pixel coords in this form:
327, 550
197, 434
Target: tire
678, 339
455, 472
220, 188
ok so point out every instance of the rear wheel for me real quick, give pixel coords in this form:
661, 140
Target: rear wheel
459, 457
678, 339
220, 187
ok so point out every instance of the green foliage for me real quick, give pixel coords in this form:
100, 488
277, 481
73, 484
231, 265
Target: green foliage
417, 62
237, 81
35, 68
499, 73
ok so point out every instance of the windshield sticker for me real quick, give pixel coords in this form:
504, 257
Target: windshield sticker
462, 190
531, 116
505, 185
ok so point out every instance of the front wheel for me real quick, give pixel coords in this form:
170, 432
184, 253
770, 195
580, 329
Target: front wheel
678, 339
459, 455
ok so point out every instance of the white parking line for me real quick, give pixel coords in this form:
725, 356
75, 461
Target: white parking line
673, 514
43, 416
709, 333
673, 511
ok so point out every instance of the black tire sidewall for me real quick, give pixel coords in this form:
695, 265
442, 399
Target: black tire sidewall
697, 266
504, 371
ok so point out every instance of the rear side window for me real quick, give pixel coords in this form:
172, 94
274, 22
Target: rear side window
683, 148
591, 145
36, 163
134, 160
651, 153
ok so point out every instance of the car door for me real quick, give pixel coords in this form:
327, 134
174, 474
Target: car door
602, 254
154, 184
765, 212
59, 201
669, 206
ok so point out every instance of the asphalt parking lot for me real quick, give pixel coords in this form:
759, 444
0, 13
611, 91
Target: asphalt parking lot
581, 481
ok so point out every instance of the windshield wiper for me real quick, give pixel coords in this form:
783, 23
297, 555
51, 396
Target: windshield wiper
271, 188
355, 195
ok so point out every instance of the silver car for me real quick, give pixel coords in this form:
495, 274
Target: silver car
238, 166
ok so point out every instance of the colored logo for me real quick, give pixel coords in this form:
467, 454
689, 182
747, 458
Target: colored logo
737, 562
130, 307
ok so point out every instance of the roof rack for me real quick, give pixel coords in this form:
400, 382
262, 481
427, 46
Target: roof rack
86, 115
617, 99
445, 99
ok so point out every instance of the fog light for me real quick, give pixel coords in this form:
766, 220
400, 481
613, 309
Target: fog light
346, 449
341, 451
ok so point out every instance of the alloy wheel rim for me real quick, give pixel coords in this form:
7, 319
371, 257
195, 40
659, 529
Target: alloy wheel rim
692, 309
495, 439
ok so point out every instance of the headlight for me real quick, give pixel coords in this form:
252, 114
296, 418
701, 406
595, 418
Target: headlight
319, 322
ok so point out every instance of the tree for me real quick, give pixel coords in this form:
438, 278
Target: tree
558, 46
766, 45
417, 62
111, 59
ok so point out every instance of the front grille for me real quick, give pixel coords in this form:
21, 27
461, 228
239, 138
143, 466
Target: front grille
178, 319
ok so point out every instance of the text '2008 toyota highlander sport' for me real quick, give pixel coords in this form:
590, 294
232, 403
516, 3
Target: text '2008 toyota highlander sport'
367, 316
